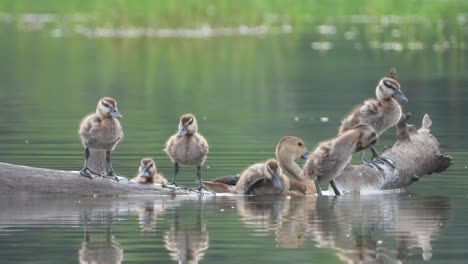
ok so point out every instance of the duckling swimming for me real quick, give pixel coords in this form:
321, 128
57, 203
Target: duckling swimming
332, 156
101, 130
262, 179
187, 148
147, 173
380, 114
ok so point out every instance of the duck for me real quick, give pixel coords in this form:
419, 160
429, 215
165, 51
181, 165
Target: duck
380, 113
147, 173
265, 178
329, 159
102, 131
288, 150
187, 148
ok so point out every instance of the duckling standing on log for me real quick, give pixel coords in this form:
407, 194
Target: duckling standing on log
187, 148
263, 178
147, 173
380, 114
102, 131
332, 156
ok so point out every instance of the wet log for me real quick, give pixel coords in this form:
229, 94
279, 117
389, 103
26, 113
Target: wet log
415, 153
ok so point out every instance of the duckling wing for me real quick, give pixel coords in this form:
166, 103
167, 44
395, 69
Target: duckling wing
370, 108
256, 183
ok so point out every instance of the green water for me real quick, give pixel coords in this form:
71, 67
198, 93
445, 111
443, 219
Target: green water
250, 79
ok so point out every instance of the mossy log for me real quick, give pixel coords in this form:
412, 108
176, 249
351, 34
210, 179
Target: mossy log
415, 153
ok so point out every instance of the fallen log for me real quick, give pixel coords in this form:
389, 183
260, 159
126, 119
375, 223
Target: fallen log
415, 153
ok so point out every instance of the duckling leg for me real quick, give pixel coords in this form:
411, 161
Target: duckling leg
173, 182
371, 164
111, 170
335, 189
377, 157
317, 186
85, 171
201, 189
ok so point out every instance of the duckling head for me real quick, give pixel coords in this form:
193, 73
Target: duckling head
291, 148
107, 107
273, 172
388, 87
147, 168
366, 136
187, 125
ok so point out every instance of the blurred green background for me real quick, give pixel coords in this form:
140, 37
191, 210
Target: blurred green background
251, 71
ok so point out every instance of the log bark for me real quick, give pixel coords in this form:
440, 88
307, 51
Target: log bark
416, 153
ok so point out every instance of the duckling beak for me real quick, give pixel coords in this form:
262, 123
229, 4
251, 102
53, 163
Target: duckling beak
182, 132
145, 173
115, 113
400, 97
277, 183
306, 155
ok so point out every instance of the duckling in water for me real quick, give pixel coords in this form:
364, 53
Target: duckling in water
147, 173
187, 148
263, 178
102, 131
332, 156
380, 114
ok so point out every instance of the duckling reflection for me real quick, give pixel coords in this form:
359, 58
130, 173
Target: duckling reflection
283, 217
148, 215
360, 234
95, 248
187, 243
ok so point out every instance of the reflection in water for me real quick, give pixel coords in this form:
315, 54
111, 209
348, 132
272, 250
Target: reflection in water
352, 226
95, 248
187, 243
356, 226
148, 215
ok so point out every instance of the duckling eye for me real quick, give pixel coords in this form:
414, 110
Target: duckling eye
151, 165
190, 122
299, 144
388, 85
105, 104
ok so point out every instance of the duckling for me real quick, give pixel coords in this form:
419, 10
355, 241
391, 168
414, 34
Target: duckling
288, 150
381, 113
187, 148
332, 156
147, 173
101, 130
263, 178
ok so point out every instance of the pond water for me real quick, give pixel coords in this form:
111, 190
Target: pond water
249, 86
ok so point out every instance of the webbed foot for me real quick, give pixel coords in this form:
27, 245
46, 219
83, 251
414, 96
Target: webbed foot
86, 173
204, 191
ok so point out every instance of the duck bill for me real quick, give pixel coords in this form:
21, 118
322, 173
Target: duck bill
277, 183
145, 173
306, 155
182, 132
115, 113
400, 97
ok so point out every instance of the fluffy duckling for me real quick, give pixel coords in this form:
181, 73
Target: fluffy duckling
101, 130
147, 173
187, 148
381, 113
263, 178
288, 150
332, 156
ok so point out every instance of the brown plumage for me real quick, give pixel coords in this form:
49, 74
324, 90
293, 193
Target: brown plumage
102, 131
187, 147
263, 178
332, 156
147, 173
381, 113
288, 150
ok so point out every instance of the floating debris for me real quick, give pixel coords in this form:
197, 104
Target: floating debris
326, 29
321, 46
324, 119
296, 118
